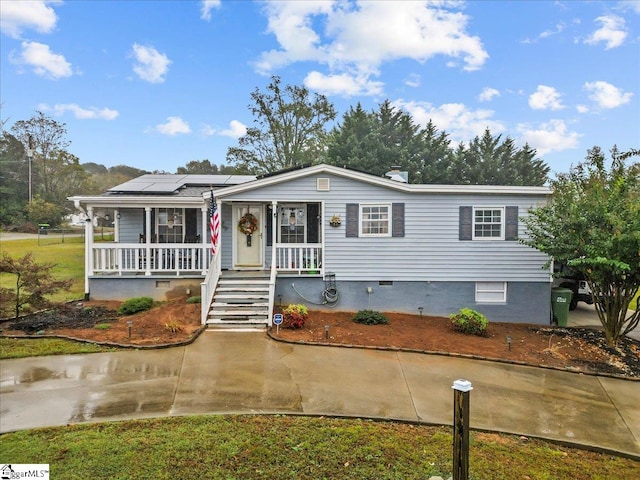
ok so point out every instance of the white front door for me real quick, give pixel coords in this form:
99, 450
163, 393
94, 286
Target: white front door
249, 247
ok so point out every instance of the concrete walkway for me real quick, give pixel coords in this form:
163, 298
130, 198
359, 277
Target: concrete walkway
248, 373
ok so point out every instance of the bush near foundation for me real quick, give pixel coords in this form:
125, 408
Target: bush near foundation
294, 316
135, 305
470, 322
370, 317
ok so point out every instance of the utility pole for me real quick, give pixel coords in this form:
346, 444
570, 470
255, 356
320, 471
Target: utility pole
30, 157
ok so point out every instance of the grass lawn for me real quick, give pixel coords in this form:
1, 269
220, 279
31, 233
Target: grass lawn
36, 347
291, 447
68, 258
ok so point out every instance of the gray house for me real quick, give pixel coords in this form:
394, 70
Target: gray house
324, 236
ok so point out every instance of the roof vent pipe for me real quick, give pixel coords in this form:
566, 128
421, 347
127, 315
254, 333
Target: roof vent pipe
397, 175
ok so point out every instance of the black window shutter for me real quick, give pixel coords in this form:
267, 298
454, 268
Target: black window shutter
465, 231
269, 226
511, 223
352, 220
397, 220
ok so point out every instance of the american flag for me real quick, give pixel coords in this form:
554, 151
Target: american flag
214, 224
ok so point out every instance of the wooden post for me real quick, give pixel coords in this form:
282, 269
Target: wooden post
461, 389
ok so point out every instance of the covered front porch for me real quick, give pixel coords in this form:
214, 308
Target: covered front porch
173, 241
166, 249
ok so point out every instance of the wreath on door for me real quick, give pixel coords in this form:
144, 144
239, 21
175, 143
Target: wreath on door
248, 224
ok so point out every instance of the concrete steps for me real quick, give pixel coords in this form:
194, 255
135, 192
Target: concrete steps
241, 301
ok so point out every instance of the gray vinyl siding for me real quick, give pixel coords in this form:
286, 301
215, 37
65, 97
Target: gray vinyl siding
130, 226
226, 237
430, 249
132, 221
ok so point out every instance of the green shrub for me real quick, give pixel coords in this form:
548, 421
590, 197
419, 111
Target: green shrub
370, 317
135, 305
194, 299
103, 326
470, 322
294, 316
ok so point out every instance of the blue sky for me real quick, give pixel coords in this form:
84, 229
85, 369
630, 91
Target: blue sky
156, 84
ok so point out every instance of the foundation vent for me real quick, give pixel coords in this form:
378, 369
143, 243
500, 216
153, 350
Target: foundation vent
323, 184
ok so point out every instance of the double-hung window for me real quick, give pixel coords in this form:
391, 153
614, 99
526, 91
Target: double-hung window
375, 220
488, 223
170, 225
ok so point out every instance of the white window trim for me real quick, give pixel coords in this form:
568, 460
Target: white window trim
287, 207
361, 219
491, 287
181, 225
473, 222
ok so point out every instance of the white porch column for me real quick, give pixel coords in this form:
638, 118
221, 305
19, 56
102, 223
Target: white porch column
219, 250
147, 236
203, 235
88, 251
274, 232
116, 227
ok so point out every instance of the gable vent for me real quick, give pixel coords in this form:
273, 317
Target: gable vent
323, 184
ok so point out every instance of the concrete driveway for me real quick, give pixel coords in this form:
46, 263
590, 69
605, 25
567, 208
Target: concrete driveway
585, 316
225, 372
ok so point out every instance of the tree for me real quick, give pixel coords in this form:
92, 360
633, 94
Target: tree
205, 167
33, 282
488, 161
376, 141
593, 223
202, 167
40, 211
14, 187
289, 129
48, 138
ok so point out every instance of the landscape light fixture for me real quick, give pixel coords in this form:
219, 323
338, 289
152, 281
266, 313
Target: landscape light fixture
420, 309
326, 333
509, 342
129, 325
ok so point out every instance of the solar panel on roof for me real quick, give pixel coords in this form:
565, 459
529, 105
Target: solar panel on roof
151, 183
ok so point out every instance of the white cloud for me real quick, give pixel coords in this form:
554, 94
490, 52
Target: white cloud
357, 37
612, 32
207, 6
548, 33
43, 61
607, 95
151, 66
632, 5
80, 112
459, 121
342, 84
413, 80
236, 130
18, 16
545, 98
488, 93
173, 126
207, 130
582, 108
552, 136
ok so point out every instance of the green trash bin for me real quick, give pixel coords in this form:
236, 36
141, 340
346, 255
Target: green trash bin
560, 301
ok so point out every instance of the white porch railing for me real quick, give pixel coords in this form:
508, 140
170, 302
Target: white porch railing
208, 288
298, 257
170, 258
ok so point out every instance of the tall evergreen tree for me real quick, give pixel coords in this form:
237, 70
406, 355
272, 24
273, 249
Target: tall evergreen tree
376, 141
489, 161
